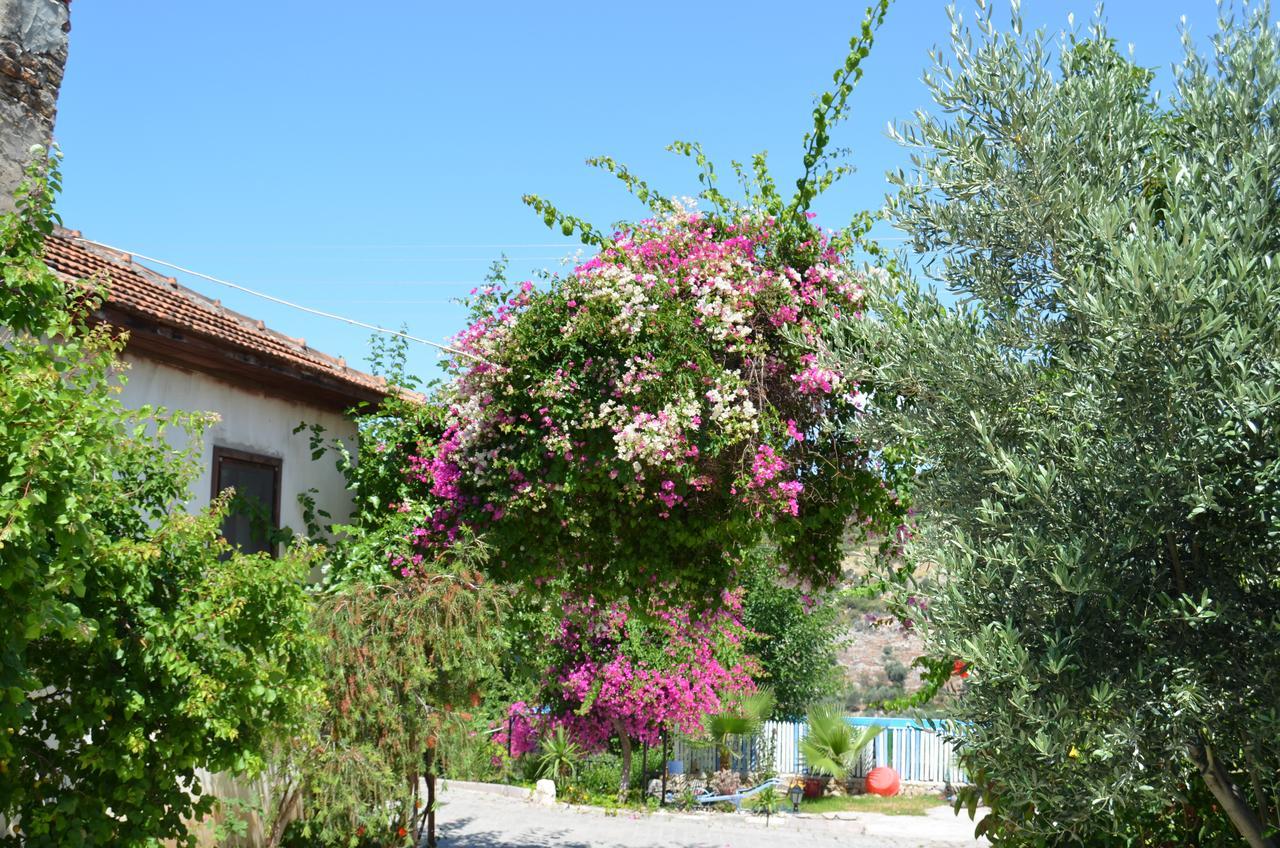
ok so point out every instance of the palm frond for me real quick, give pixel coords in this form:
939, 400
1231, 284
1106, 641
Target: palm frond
832, 746
560, 755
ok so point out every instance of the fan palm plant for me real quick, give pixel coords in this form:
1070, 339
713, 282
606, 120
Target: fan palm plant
560, 755
743, 719
833, 746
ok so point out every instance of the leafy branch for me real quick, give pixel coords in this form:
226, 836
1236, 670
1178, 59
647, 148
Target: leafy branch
569, 224
760, 188
831, 109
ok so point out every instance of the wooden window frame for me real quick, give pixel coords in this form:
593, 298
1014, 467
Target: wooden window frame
275, 463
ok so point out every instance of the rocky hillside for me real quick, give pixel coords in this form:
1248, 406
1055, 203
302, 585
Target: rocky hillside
876, 659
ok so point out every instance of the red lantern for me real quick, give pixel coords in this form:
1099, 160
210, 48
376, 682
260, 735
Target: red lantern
883, 781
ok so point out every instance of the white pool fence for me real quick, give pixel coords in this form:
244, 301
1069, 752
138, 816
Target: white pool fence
914, 749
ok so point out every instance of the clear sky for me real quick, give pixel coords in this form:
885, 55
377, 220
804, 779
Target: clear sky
369, 158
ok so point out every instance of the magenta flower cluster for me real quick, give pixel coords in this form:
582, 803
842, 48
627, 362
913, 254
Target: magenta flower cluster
619, 673
814, 379
675, 378
518, 735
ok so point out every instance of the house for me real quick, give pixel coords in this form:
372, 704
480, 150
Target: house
188, 352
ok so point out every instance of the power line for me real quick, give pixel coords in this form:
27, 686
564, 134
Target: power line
283, 302
320, 313
383, 282
440, 259
364, 302
397, 245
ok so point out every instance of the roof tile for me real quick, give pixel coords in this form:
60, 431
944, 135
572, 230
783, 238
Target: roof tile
137, 289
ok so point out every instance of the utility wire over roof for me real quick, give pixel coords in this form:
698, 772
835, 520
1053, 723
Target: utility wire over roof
75, 236
170, 321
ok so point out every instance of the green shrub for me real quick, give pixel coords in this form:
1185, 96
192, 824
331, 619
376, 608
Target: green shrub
600, 774
396, 657
832, 745
869, 694
467, 750
896, 673
792, 635
765, 802
135, 648
558, 755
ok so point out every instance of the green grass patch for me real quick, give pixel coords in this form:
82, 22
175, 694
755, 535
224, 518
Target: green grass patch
898, 805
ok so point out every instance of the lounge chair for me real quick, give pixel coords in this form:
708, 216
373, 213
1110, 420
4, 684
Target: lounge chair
737, 797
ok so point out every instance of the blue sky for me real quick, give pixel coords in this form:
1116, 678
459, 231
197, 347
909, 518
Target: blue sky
371, 162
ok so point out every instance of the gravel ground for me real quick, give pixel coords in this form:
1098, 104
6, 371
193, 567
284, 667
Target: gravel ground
482, 819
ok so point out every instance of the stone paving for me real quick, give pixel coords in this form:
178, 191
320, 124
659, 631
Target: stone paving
480, 819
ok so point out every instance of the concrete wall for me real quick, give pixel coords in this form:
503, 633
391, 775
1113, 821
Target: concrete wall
33, 53
248, 421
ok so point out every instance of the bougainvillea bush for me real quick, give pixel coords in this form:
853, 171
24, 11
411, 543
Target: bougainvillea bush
633, 425
617, 672
642, 419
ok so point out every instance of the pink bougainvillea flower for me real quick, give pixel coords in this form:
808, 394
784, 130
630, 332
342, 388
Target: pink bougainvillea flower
668, 399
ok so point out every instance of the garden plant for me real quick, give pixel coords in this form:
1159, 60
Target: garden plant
618, 518
792, 634
635, 426
622, 437
618, 675
135, 648
833, 747
739, 720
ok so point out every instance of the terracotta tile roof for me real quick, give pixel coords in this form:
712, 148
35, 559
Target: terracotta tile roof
143, 292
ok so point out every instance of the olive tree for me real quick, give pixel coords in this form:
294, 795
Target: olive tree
1096, 415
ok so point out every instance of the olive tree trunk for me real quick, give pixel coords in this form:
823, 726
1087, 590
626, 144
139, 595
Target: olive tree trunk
1215, 777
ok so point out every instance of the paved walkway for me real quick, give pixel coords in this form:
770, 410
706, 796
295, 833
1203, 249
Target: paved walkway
475, 819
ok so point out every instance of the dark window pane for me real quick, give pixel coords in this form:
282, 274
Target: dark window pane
251, 519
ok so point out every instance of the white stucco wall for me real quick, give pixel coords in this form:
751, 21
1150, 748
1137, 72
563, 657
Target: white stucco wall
249, 421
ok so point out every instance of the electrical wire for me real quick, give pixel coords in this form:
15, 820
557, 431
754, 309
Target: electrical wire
317, 312
282, 302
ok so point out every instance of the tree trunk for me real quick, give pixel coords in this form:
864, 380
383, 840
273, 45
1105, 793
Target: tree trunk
286, 812
428, 823
431, 809
662, 801
1259, 794
624, 783
34, 33
1219, 782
